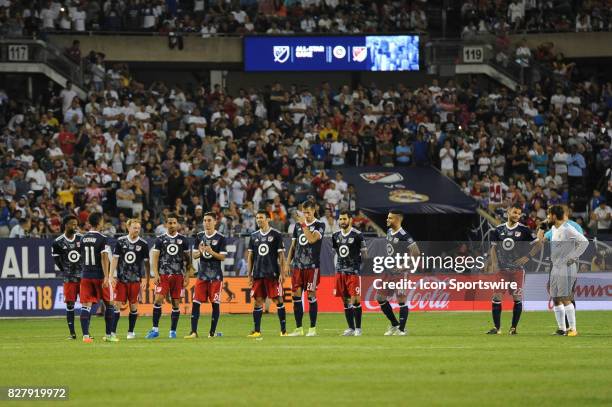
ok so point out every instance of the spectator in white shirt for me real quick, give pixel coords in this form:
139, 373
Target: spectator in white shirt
37, 178
465, 159
67, 95
79, 16
560, 160
332, 196
447, 160
602, 215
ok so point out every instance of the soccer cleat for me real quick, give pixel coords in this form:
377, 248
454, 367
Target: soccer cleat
152, 334
172, 335
391, 330
284, 334
87, 340
131, 335
110, 338
298, 332
560, 332
312, 332
348, 332
192, 335
357, 331
494, 331
572, 332
512, 331
211, 336
71, 337
254, 334
399, 332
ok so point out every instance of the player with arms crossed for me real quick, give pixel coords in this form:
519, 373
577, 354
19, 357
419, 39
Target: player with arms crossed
265, 265
398, 240
170, 260
305, 258
67, 257
508, 257
350, 251
567, 245
129, 264
95, 283
211, 251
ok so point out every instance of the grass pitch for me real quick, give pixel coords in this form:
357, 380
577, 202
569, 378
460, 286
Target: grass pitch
446, 360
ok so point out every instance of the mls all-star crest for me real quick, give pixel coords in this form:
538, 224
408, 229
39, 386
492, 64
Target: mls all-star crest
382, 177
281, 53
360, 54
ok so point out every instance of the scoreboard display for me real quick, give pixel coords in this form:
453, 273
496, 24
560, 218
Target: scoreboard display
369, 53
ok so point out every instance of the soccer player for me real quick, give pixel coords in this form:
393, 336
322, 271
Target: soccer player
129, 264
398, 240
66, 255
95, 284
265, 265
170, 259
350, 250
567, 245
211, 251
305, 258
508, 257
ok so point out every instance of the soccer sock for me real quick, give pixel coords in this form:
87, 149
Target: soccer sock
195, 316
560, 316
116, 320
109, 316
403, 316
349, 315
567, 324
516, 313
157, 309
385, 307
216, 311
133, 317
257, 313
313, 309
298, 311
174, 318
357, 314
282, 317
570, 313
85, 320
70, 318
496, 310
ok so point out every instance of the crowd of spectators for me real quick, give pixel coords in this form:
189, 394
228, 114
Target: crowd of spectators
210, 17
489, 17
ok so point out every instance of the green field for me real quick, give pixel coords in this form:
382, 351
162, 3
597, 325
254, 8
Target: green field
446, 360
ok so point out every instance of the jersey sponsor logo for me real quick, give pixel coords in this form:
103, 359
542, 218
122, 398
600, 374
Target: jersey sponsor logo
302, 240
407, 196
508, 244
129, 257
263, 249
172, 249
74, 256
343, 251
390, 249
207, 255
382, 177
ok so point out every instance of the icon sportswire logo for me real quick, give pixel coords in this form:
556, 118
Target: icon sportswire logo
281, 53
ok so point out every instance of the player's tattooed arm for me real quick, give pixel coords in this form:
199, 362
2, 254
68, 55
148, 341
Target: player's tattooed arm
281, 263
105, 268
290, 256
250, 267
188, 271
155, 265
311, 236
493, 260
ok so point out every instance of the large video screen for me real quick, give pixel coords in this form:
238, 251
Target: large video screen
383, 53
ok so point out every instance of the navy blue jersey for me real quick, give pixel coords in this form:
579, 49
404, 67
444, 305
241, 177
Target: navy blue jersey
307, 255
398, 241
508, 251
67, 255
265, 249
171, 253
210, 268
348, 250
92, 245
131, 258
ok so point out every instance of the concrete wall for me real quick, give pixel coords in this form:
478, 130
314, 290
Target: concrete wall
573, 45
155, 48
